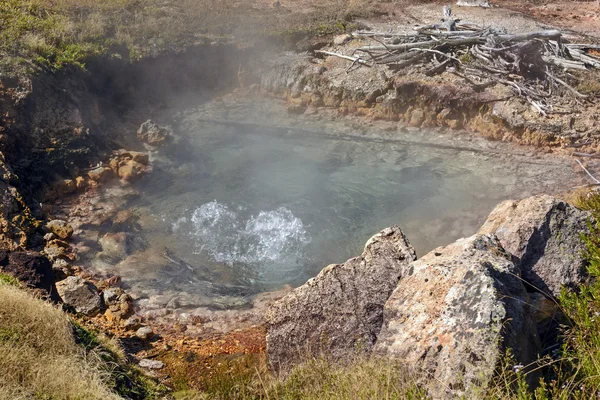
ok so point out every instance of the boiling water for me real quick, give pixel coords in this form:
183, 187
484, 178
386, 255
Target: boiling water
251, 199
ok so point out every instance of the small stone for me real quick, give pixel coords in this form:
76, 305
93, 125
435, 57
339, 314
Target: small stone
60, 228
81, 183
49, 236
61, 269
100, 174
111, 296
342, 39
132, 323
151, 364
144, 333
81, 295
139, 157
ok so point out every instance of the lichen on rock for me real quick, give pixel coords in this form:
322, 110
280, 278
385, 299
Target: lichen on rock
339, 312
455, 313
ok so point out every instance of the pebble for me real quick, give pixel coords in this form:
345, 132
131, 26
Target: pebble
144, 333
151, 364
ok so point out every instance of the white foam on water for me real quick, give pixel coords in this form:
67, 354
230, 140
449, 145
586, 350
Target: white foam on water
228, 235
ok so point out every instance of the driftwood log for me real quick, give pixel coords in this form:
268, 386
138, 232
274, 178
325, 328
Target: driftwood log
535, 65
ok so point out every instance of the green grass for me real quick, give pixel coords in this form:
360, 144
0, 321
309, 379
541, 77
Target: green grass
53, 34
6, 279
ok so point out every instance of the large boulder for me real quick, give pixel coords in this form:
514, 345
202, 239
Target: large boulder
454, 314
82, 295
32, 269
340, 311
544, 235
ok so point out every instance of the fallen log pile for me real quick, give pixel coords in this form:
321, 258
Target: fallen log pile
538, 66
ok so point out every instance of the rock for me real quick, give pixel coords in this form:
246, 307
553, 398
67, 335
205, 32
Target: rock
81, 295
64, 187
33, 269
81, 183
101, 174
49, 236
416, 118
153, 134
60, 228
61, 269
543, 234
119, 303
111, 296
340, 40
144, 333
137, 156
132, 323
54, 252
151, 364
130, 171
454, 314
473, 3
339, 312
116, 246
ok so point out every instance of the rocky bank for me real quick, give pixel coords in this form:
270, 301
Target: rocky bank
450, 315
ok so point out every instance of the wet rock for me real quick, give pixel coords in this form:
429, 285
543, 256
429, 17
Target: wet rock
81, 295
130, 171
151, 364
118, 245
33, 269
101, 174
139, 157
543, 234
81, 183
153, 134
340, 311
60, 228
454, 314
145, 333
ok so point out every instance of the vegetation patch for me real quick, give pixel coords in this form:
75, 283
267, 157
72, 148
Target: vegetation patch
6, 279
53, 34
44, 355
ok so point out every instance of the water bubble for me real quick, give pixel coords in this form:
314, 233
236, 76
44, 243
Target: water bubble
267, 240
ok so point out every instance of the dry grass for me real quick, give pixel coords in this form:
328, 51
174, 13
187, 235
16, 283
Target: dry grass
55, 33
316, 379
39, 358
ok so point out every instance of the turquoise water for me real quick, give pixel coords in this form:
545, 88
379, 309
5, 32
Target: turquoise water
247, 203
